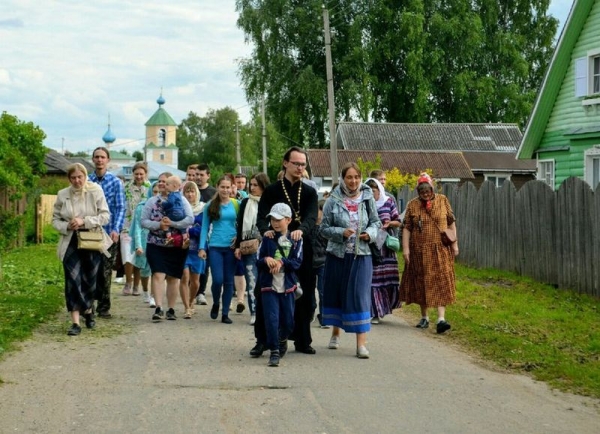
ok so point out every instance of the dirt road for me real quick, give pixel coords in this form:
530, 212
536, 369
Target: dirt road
130, 375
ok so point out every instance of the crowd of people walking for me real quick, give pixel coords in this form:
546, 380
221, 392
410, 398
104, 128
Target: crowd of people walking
272, 247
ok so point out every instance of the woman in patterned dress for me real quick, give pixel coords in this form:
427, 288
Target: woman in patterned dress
428, 277
386, 280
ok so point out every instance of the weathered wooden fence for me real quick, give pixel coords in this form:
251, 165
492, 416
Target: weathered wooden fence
552, 237
16, 207
44, 209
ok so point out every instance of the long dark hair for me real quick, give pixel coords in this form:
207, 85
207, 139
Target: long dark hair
262, 179
214, 208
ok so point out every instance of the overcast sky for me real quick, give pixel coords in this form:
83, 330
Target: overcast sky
67, 64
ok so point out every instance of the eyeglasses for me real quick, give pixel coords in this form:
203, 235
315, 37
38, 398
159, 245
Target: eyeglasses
297, 164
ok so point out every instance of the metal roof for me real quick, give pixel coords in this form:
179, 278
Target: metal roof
443, 164
429, 137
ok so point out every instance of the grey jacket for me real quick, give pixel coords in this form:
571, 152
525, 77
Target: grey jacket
336, 218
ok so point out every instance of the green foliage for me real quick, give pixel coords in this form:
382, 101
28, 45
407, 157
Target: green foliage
400, 61
138, 155
367, 167
395, 180
31, 295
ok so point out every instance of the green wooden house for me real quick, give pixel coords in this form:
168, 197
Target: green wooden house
563, 133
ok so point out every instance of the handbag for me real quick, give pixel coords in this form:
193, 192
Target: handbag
376, 255
392, 243
90, 240
448, 237
249, 247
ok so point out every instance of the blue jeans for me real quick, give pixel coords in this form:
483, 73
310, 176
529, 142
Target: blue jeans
279, 316
251, 273
222, 269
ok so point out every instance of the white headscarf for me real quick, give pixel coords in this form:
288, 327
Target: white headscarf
382, 196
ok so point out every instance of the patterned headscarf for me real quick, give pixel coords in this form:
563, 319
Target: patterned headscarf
424, 178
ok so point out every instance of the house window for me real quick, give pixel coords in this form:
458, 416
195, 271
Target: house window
162, 157
497, 178
546, 172
592, 166
587, 75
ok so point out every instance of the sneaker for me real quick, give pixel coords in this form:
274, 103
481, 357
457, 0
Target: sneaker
74, 330
119, 280
283, 347
152, 302
90, 322
362, 352
158, 314
334, 343
240, 307
442, 327
171, 314
252, 320
187, 314
423, 324
105, 314
127, 289
257, 350
146, 297
274, 358
226, 320
135, 291
375, 320
214, 311
201, 299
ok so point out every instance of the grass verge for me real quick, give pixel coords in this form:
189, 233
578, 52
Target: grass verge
32, 292
526, 327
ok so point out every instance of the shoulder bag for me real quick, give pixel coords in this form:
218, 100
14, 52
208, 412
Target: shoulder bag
90, 240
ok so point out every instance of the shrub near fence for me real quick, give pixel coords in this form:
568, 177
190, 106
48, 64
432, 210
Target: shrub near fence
552, 237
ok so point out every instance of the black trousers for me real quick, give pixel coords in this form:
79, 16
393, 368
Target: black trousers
104, 279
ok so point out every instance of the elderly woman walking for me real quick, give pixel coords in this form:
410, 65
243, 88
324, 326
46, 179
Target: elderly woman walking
81, 206
428, 277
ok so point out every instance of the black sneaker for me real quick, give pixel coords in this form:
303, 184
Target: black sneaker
226, 320
257, 350
274, 358
74, 330
283, 347
90, 322
214, 311
158, 314
423, 324
171, 314
442, 327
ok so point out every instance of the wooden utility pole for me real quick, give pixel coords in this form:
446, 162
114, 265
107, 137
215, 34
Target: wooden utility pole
238, 157
330, 99
264, 135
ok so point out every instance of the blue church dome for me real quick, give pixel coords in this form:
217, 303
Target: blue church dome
108, 136
160, 100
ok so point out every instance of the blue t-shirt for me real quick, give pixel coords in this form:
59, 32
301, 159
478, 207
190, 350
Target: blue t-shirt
223, 230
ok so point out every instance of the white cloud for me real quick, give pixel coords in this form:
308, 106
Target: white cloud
67, 64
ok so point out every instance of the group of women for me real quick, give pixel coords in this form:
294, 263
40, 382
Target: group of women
357, 292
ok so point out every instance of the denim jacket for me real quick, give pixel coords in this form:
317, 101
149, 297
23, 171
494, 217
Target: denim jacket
336, 218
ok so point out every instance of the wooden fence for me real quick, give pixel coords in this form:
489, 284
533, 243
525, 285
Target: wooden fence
44, 209
16, 206
550, 236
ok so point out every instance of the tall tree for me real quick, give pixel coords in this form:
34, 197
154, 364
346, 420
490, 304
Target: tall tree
395, 60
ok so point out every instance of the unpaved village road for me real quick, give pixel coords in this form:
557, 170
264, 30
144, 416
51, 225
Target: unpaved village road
132, 376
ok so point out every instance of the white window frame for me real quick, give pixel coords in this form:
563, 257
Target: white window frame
541, 171
587, 81
504, 175
591, 155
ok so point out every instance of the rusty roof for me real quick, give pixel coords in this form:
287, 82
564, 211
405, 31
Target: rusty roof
429, 137
443, 164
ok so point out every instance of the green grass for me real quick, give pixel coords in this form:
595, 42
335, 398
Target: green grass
526, 327
32, 292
